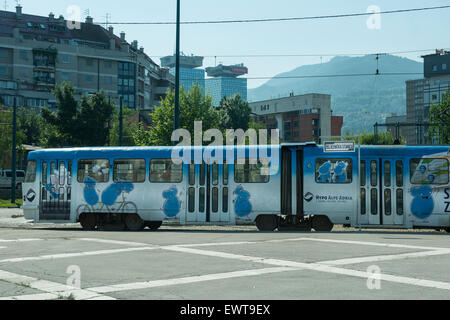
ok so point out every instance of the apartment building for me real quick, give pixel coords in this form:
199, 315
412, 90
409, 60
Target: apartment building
302, 118
37, 53
421, 94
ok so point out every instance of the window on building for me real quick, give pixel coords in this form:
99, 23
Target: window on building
165, 171
3, 70
434, 68
89, 62
334, 171
444, 66
89, 79
23, 55
65, 76
65, 58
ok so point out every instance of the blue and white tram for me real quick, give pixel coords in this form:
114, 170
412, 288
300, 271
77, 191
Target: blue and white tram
291, 186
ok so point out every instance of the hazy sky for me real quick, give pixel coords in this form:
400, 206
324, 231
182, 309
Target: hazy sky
399, 32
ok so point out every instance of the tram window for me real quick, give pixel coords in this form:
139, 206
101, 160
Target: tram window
215, 200
387, 202
129, 170
192, 174
202, 174
363, 173
53, 176
373, 173
225, 174
69, 173
363, 201
31, 172
165, 171
225, 200
374, 202
62, 173
399, 173
191, 204
215, 174
96, 169
387, 174
429, 171
201, 200
335, 171
251, 172
44, 173
400, 210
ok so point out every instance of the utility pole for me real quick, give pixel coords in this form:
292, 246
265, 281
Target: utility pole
14, 150
121, 122
177, 72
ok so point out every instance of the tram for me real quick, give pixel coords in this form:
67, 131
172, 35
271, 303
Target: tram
285, 187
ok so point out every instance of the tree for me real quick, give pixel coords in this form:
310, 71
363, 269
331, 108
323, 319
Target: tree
194, 106
28, 127
440, 119
130, 127
61, 126
235, 113
382, 138
74, 125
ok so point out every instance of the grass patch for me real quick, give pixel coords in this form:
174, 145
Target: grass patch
8, 204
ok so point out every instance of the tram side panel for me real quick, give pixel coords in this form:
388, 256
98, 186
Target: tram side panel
427, 198
330, 185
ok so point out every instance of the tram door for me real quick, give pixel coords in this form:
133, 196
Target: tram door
381, 192
56, 190
208, 193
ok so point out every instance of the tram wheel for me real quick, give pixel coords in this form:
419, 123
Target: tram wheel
88, 221
134, 222
153, 225
322, 224
267, 223
447, 229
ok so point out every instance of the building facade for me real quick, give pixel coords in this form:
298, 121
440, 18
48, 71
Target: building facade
304, 118
421, 94
37, 53
224, 82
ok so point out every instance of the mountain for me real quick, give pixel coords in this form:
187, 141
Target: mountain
362, 100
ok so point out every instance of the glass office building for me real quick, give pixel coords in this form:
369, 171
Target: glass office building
221, 87
189, 77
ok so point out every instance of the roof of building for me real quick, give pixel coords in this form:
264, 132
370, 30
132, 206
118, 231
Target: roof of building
39, 26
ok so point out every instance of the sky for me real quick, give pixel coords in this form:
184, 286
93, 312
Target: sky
397, 32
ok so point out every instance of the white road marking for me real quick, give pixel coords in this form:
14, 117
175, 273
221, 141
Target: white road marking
126, 243
376, 244
72, 255
402, 256
186, 280
19, 240
54, 290
315, 267
2, 247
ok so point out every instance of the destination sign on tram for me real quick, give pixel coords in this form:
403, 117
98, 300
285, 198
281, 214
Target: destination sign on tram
339, 146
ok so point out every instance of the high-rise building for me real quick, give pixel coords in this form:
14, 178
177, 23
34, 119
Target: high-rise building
189, 72
224, 82
37, 53
304, 118
421, 94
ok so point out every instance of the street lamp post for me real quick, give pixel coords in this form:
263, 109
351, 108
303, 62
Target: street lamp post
177, 72
14, 145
